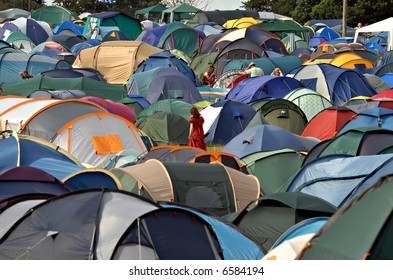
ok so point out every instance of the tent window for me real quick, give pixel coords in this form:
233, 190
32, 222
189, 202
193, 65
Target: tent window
107, 144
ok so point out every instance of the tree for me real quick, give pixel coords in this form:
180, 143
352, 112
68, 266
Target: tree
259, 5
283, 7
303, 9
327, 9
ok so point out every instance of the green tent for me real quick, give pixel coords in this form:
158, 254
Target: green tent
53, 15
355, 142
107, 21
282, 113
14, 13
179, 12
164, 128
311, 102
89, 86
181, 37
152, 11
276, 213
20, 41
200, 63
175, 106
268, 167
361, 229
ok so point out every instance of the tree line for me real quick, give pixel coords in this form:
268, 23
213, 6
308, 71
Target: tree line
364, 11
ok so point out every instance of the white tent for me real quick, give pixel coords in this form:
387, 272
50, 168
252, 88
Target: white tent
380, 26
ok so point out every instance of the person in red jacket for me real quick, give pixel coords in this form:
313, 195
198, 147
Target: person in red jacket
209, 78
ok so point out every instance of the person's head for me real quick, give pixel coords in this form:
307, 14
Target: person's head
194, 112
276, 72
210, 69
252, 64
360, 25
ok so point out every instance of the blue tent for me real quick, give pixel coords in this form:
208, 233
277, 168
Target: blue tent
84, 45
328, 33
264, 138
226, 119
375, 117
68, 25
337, 178
152, 37
165, 59
388, 78
254, 88
316, 40
335, 84
25, 151
30, 27
311, 225
163, 83
234, 245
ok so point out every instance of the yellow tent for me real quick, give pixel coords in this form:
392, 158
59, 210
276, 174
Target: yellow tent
241, 22
350, 60
116, 60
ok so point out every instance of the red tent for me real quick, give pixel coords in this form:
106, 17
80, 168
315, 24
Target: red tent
328, 122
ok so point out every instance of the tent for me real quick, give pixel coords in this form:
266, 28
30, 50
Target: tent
13, 13
20, 41
116, 60
171, 153
265, 138
240, 22
375, 117
164, 128
335, 84
222, 16
53, 15
276, 213
57, 94
178, 107
327, 123
163, 83
181, 37
23, 150
75, 233
89, 86
164, 59
37, 31
268, 168
380, 26
104, 134
27, 180
151, 11
178, 13
282, 113
368, 213
130, 26
338, 178
13, 63
210, 187
357, 141
225, 119
113, 107
309, 101
68, 28
226, 159
254, 88
236, 245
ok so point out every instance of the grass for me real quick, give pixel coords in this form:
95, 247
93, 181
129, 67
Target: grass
214, 147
